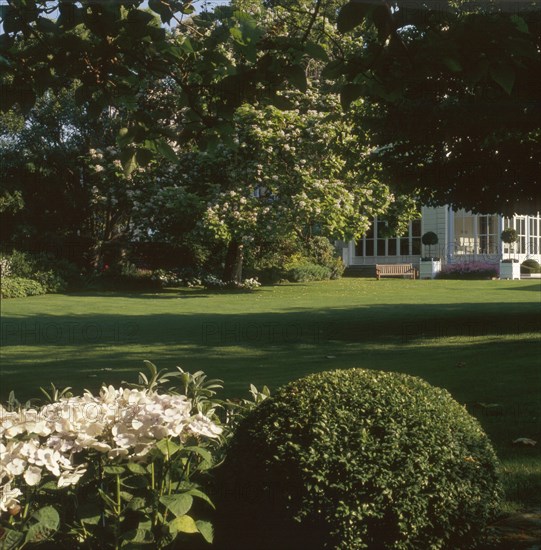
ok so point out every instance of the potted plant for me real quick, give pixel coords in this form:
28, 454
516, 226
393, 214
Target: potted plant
429, 266
509, 267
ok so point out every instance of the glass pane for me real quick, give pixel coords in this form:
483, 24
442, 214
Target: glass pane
359, 248
391, 251
416, 246
483, 244
381, 247
416, 228
369, 247
493, 225
404, 246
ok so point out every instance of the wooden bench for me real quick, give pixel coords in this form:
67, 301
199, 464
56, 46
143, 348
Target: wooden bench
395, 270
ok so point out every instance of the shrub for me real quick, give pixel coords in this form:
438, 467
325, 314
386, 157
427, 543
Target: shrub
116, 469
177, 277
302, 271
21, 264
468, 270
214, 283
530, 266
50, 281
355, 459
321, 252
19, 287
54, 274
127, 276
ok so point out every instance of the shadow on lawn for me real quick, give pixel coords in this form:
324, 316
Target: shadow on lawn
172, 293
532, 288
381, 324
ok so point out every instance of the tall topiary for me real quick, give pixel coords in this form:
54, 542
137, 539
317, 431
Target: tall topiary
355, 459
510, 237
429, 239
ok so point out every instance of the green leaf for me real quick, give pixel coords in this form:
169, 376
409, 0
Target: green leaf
332, 70
206, 529
183, 524
136, 468
296, 75
114, 470
144, 156
47, 516
167, 447
504, 75
452, 64
315, 50
520, 24
45, 25
178, 504
162, 9
281, 102
137, 503
382, 19
349, 93
47, 522
166, 150
11, 539
199, 494
91, 520
351, 15
203, 453
138, 535
129, 162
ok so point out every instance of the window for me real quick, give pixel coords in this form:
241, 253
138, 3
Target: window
487, 231
520, 226
376, 242
464, 232
534, 235
476, 234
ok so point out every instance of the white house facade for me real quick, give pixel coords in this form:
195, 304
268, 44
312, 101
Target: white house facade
462, 237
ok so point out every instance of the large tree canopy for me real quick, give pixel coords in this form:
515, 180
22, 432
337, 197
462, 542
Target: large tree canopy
451, 92
455, 99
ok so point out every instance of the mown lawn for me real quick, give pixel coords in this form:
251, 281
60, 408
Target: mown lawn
479, 339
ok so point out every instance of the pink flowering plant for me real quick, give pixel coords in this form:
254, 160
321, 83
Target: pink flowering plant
469, 270
111, 470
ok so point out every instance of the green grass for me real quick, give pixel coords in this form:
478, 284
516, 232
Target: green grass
478, 339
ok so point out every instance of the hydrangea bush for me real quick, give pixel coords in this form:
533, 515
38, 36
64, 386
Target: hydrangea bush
120, 466
214, 283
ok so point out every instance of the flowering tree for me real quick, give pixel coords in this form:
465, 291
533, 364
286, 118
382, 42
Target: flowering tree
299, 171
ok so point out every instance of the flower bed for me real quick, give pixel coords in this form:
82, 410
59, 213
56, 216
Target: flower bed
469, 270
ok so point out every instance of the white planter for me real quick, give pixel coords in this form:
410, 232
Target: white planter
509, 270
428, 269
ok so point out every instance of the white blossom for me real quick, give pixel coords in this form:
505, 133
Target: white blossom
122, 424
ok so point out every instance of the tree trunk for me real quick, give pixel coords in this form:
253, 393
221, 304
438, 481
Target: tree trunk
233, 262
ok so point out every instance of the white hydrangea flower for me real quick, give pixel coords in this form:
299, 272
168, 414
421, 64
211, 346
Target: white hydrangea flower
8, 497
32, 476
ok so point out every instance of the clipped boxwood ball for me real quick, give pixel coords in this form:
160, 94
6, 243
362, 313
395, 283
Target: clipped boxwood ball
354, 459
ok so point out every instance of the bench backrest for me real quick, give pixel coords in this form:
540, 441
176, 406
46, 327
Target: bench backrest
394, 268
